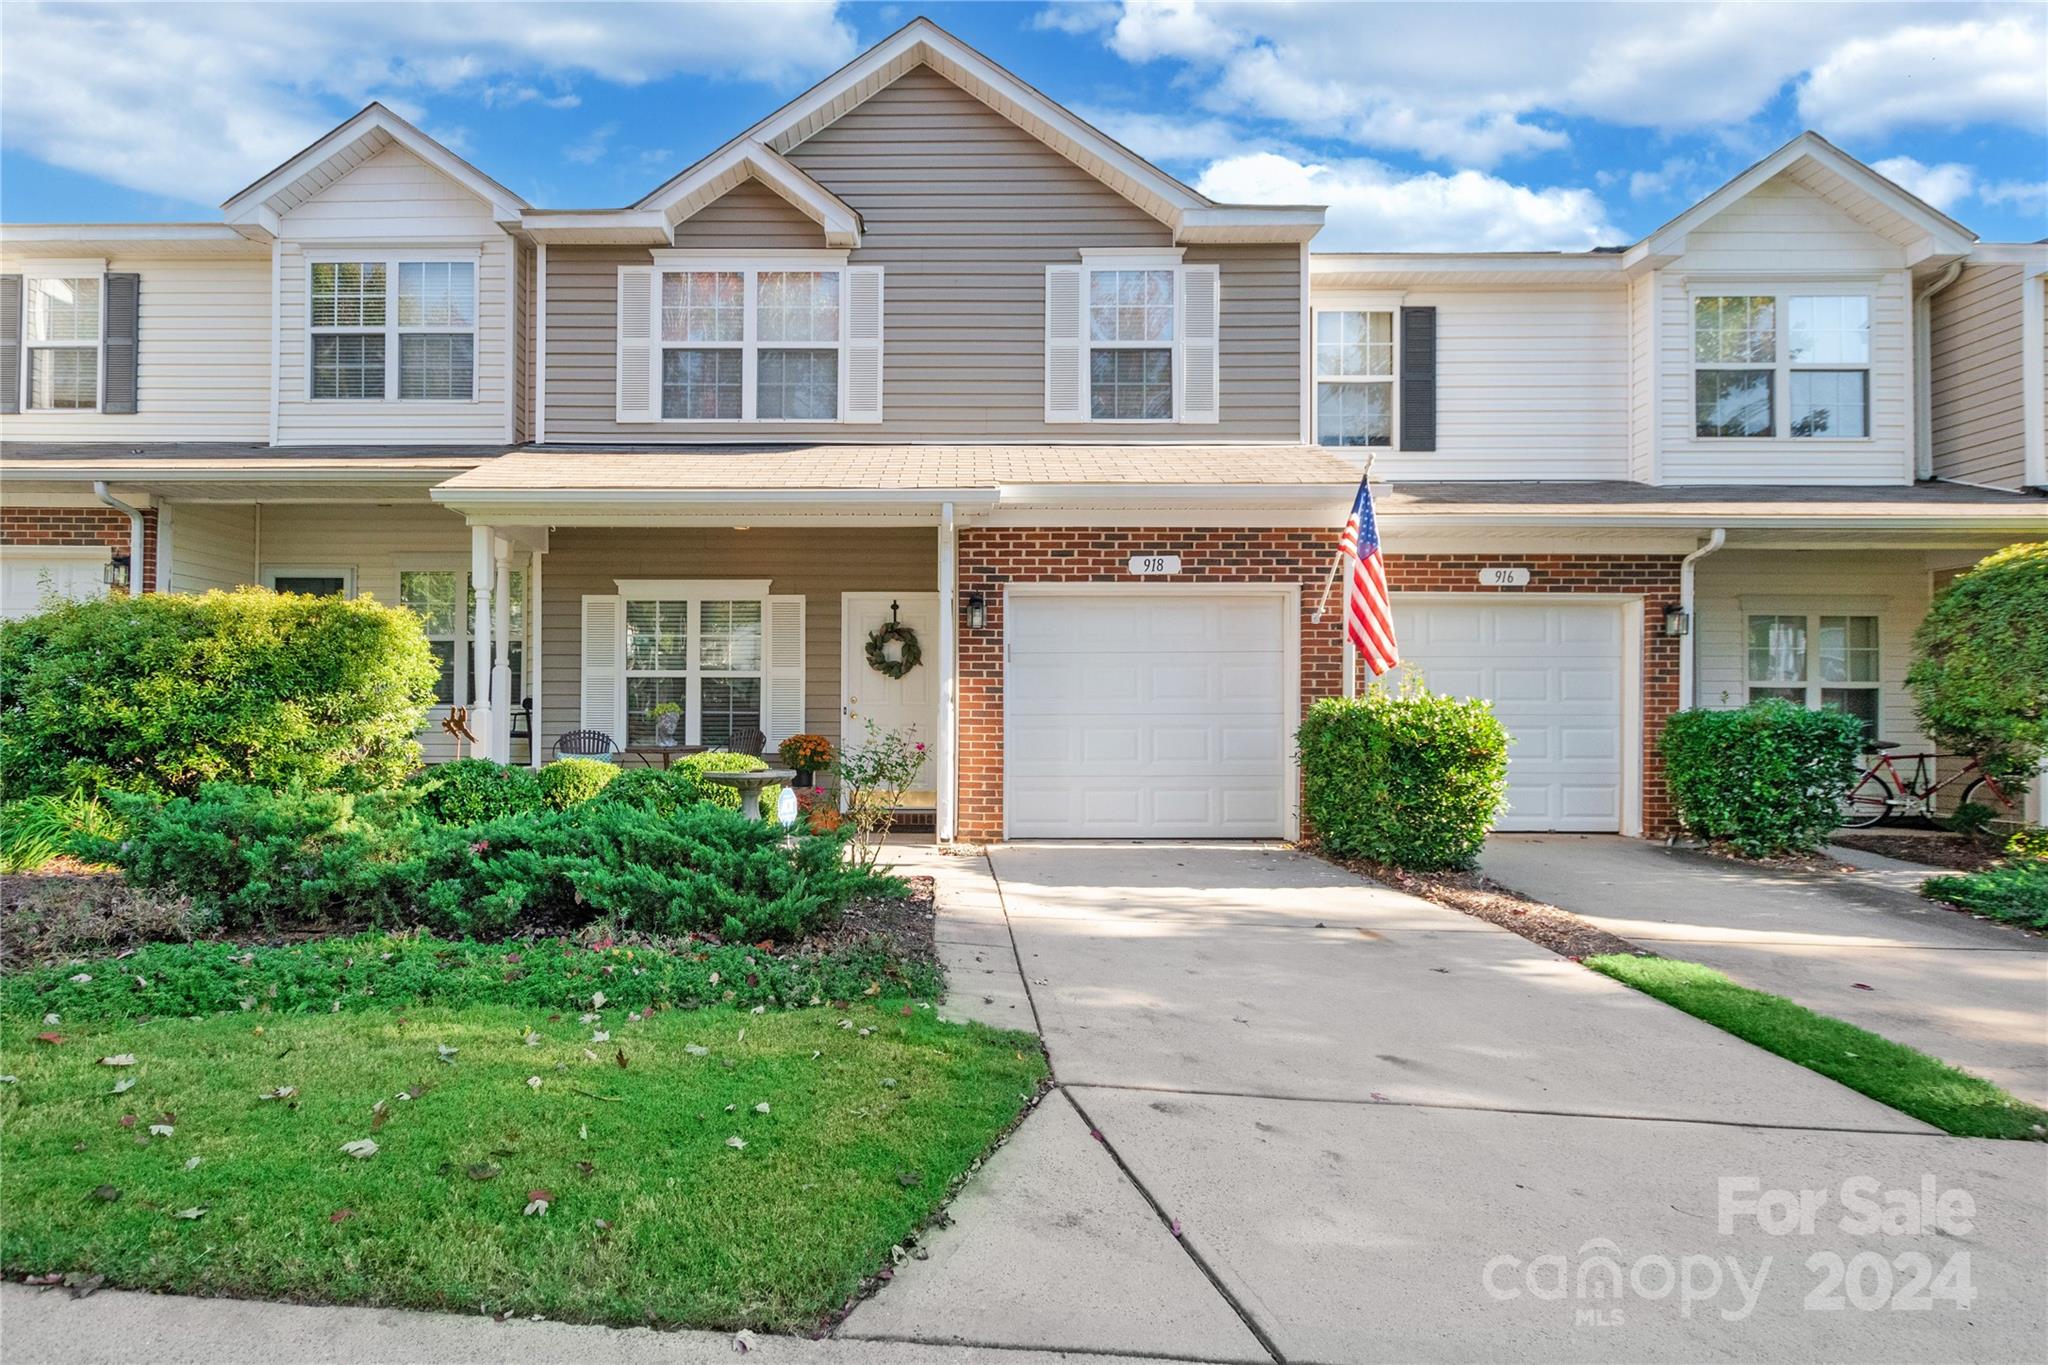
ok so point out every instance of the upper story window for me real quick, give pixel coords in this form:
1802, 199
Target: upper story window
1133, 335
1130, 345
1771, 364
1354, 358
383, 328
62, 331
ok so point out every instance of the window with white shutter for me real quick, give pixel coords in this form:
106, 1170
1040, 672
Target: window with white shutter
1132, 338
726, 656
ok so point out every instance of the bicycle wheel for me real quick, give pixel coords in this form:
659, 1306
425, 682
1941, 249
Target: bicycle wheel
1866, 803
1983, 792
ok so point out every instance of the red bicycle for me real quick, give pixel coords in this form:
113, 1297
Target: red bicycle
1884, 791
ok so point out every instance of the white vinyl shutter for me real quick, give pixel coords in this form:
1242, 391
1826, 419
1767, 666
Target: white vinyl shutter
782, 684
1066, 355
604, 666
1201, 302
863, 322
638, 383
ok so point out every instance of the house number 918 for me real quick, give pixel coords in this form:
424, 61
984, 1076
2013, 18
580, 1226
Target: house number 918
1155, 564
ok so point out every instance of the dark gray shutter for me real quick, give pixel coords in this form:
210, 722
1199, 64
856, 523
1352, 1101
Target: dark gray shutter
1418, 379
124, 301
10, 343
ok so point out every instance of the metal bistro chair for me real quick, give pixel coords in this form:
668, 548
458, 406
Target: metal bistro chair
585, 744
522, 722
750, 742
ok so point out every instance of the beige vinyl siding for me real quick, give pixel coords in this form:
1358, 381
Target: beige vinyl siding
1531, 384
818, 562
213, 545
963, 210
202, 357
392, 201
749, 217
1782, 227
1978, 419
1642, 384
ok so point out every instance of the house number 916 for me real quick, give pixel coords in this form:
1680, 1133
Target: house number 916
1155, 564
1504, 578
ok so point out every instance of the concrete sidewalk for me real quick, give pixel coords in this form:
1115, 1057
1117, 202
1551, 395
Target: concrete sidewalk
1970, 992
1306, 1118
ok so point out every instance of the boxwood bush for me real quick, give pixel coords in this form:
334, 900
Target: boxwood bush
1414, 780
162, 693
662, 790
471, 790
717, 760
571, 781
1766, 779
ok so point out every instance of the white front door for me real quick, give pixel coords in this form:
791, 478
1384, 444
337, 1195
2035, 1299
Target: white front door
29, 577
1159, 714
909, 703
1554, 674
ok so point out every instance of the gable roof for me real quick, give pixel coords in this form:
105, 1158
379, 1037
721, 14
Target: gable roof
258, 206
739, 162
1842, 180
1193, 216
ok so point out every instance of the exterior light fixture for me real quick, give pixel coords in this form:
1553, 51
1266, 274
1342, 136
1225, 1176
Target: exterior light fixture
977, 611
1677, 620
116, 572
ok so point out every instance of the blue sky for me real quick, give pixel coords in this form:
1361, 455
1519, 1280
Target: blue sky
1482, 127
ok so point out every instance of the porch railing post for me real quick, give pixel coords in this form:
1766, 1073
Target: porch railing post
502, 700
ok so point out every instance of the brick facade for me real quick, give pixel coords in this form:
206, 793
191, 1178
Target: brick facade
989, 558
27, 526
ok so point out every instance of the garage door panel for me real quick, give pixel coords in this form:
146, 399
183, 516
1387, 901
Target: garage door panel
1146, 715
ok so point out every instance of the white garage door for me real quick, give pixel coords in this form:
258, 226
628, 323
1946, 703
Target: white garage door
1146, 715
1554, 675
28, 577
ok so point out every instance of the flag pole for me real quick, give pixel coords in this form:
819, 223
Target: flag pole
1337, 560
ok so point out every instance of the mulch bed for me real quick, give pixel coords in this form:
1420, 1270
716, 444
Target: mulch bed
1477, 895
1934, 848
905, 925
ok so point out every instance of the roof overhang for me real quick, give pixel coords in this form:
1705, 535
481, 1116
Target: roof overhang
258, 209
1536, 269
737, 163
597, 227
32, 241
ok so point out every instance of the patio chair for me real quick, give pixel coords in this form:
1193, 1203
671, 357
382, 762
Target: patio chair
750, 742
585, 744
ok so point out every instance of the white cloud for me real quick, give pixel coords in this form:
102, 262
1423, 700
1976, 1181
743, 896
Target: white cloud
1679, 175
1075, 16
1376, 208
2028, 196
1942, 186
1163, 137
588, 149
192, 101
1933, 75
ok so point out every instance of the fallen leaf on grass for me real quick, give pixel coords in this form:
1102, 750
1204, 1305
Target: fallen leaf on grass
362, 1149
81, 1285
585, 1169
81, 978
127, 1120
909, 1179
161, 1130
51, 1021
482, 1171
621, 1059
533, 1081
446, 1053
191, 1213
537, 1202
696, 1050
597, 1000
761, 1108
341, 1215
379, 1118
192, 1163
51, 1038
532, 1038
283, 1092
128, 1058
600, 1036
736, 1142
122, 1086
106, 1194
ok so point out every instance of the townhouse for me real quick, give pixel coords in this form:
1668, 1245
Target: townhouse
923, 348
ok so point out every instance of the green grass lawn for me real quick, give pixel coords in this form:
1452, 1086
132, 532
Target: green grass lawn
1890, 1073
654, 1216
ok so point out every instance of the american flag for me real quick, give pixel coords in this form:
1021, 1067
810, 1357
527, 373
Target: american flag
1368, 618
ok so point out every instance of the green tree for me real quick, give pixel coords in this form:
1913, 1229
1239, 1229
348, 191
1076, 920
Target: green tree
1980, 681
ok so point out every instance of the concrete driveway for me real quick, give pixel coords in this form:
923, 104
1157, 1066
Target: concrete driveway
1301, 1117
1972, 993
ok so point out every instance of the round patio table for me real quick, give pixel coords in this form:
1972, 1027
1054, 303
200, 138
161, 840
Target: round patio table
749, 785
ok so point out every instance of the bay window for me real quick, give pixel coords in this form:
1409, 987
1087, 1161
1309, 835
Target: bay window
1816, 660
62, 334
1790, 364
384, 327
1354, 369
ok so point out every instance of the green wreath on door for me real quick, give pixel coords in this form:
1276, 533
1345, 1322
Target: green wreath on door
878, 652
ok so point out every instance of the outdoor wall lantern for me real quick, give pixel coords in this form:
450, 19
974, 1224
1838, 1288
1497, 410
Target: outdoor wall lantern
1677, 620
977, 611
116, 572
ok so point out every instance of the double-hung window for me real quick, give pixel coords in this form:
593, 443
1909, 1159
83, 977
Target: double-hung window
431, 594
62, 317
1816, 660
384, 328
1133, 335
1770, 365
704, 656
1354, 359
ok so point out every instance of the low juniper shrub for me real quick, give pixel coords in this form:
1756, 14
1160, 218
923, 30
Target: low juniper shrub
471, 790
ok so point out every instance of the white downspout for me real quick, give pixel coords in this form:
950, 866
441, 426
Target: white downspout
1689, 650
135, 537
1923, 371
949, 703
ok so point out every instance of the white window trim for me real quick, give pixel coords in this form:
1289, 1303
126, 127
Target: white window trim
82, 269
1781, 367
1101, 260
1390, 304
345, 572
749, 267
391, 331
1812, 684
695, 592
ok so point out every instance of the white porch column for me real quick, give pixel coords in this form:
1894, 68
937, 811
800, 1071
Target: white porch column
949, 707
533, 652
482, 578
502, 700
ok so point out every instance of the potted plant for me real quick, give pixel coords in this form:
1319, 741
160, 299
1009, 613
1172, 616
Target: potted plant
667, 717
807, 754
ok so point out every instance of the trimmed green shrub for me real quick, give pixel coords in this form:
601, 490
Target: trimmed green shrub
2018, 892
717, 760
661, 790
162, 693
40, 829
249, 857
1766, 779
472, 790
571, 781
2031, 842
1414, 780
705, 869
1980, 678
